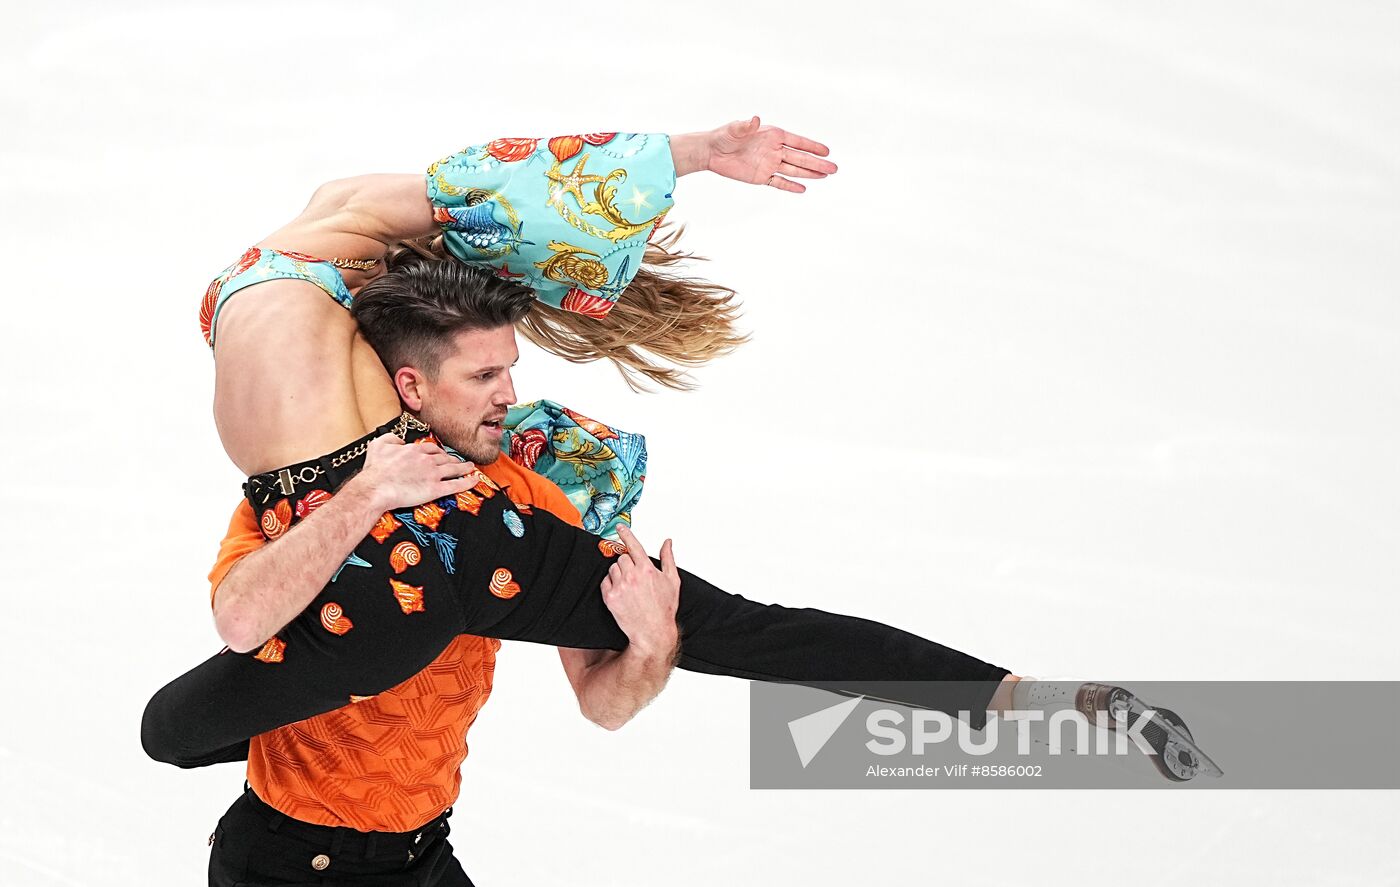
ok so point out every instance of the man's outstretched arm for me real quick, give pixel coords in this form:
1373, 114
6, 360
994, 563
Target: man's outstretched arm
266, 589
613, 686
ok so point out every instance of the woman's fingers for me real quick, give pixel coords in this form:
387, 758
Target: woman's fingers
788, 169
807, 161
802, 143
782, 184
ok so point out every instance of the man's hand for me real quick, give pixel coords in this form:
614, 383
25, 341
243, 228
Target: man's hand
399, 475
613, 687
644, 599
268, 588
747, 151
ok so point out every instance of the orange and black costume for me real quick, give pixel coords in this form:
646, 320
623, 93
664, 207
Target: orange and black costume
478, 564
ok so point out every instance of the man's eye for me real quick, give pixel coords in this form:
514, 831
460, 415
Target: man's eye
486, 377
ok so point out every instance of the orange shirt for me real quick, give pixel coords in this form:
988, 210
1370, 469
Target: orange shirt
391, 762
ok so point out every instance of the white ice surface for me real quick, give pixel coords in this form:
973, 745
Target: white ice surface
1085, 363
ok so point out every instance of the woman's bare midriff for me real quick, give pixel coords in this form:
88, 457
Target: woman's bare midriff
293, 378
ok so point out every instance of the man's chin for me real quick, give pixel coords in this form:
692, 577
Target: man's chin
484, 457
481, 449
479, 452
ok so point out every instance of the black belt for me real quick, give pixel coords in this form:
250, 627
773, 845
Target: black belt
328, 472
337, 839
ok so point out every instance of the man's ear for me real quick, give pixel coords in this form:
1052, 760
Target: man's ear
411, 385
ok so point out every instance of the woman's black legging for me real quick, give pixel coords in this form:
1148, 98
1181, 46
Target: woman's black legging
426, 577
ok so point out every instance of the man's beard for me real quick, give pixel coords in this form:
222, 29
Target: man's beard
468, 442
466, 439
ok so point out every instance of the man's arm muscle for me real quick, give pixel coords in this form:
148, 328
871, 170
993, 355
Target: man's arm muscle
268, 588
613, 686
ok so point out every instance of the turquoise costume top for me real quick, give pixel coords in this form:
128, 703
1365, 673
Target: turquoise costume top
574, 237
600, 468
261, 264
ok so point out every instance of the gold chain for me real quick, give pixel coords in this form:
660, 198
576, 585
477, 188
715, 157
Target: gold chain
402, 426
407, 422
354, 264
354, 452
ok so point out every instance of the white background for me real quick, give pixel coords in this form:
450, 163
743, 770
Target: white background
1084, 363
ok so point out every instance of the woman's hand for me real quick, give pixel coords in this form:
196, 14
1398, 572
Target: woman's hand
747, 151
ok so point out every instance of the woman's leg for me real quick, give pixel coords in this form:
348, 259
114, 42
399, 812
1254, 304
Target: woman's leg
726, 634
360, 637
540, 586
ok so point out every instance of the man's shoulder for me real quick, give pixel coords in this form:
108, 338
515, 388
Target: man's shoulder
505, 471
532, 488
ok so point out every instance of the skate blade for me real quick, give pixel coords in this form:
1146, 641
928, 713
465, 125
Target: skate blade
1173, 733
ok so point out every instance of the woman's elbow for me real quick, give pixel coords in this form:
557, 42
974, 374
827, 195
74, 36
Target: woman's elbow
333, 197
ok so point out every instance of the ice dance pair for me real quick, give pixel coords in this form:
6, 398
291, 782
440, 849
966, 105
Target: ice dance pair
372, 585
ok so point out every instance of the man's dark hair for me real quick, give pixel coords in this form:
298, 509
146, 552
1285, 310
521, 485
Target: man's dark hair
409, 314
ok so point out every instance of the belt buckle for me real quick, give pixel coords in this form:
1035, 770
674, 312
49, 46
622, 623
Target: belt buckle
285, 482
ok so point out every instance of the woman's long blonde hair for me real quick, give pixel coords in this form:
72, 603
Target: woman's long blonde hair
661, 324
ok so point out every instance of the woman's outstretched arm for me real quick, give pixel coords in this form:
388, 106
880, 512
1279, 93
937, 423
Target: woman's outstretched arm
747, 151
363, 215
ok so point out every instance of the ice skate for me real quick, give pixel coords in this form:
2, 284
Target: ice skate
1177, 757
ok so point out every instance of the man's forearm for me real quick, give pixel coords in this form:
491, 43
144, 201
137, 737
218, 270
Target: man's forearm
618, 685
269, 587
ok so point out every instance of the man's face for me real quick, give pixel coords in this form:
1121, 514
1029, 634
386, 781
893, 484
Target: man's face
467, 400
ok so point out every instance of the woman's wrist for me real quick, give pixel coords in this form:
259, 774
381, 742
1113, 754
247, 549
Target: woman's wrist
690, 152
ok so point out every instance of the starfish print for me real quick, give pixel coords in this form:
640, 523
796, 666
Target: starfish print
570, 183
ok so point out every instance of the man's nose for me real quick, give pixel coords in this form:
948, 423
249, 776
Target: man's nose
505, 395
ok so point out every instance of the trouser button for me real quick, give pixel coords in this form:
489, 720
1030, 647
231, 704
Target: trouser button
320, 862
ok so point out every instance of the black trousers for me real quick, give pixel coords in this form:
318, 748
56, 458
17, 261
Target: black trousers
256, 845
478, 565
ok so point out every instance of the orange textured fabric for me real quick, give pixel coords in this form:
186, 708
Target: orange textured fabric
393, 761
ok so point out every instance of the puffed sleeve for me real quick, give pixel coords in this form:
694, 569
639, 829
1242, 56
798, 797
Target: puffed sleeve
568, 216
